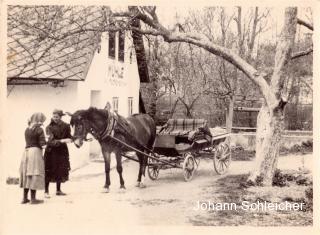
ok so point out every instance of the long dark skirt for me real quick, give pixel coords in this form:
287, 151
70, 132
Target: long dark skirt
57, 164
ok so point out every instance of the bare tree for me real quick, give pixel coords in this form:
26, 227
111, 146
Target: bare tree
249, 25
270, 118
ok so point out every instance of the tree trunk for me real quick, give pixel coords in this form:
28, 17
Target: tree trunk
270, 122
153, 98
269, 129
296, 120
229, 117
173, 109
188, 111
235, 87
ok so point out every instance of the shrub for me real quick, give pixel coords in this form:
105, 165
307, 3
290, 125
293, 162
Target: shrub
259, 180
309, 199
279, 179
303, 180
12, 180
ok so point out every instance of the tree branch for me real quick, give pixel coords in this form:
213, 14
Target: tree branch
283, 52
302, 53
302, 22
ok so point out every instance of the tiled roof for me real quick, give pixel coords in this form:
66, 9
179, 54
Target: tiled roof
51, 42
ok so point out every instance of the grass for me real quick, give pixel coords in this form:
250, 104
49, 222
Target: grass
242, 155
228, 189
239, 154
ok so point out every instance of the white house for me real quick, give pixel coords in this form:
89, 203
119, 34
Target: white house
86, 70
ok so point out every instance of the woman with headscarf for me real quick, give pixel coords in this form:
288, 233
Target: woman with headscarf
32, 164
56, 155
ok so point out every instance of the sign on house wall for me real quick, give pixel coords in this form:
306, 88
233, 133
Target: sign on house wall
115, 73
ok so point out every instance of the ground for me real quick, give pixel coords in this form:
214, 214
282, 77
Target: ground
167, 201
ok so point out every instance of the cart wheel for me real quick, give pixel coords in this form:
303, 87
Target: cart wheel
222, 158
153, 169
189, 167
197, 161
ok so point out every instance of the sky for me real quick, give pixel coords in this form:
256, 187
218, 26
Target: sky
167, 16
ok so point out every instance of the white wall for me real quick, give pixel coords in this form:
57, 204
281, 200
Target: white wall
103, 76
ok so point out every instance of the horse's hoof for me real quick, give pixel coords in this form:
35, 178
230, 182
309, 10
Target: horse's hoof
105, 186
138, 184
142, 185
107, 190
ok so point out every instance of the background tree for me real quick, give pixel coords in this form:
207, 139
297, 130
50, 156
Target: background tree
271, 115
237, 29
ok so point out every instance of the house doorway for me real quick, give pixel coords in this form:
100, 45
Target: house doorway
95, 99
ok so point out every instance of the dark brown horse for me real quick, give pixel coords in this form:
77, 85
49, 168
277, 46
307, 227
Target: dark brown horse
138, 131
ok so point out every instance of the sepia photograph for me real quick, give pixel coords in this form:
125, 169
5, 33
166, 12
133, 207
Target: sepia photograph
116, 116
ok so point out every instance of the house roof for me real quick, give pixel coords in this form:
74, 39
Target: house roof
59, 46
62, 52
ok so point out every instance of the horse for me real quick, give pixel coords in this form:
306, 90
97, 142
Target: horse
138, 131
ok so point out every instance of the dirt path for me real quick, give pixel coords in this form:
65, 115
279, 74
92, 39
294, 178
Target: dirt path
167, 201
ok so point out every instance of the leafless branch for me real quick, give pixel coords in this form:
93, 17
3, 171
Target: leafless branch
302, 53
302, 22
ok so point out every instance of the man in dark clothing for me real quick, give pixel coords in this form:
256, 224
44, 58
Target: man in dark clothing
56, 155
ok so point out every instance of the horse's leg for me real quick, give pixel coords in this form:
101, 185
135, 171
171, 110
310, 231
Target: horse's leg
107, 160
143, 171
119, 169
140, 157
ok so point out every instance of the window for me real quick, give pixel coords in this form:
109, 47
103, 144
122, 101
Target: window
121, 46
130, 105
112, 45
115, 104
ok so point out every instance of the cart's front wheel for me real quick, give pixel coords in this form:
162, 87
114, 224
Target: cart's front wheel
189, 167
222, 158
153, 169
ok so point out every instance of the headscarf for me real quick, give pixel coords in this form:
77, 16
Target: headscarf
58, 112
37, 118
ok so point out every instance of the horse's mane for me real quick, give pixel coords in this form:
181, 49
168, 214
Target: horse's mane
123, 126
85, 114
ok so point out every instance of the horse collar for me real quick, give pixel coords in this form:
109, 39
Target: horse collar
109, 131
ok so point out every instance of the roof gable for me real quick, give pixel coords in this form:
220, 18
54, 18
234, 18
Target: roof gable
58, 42
50, 42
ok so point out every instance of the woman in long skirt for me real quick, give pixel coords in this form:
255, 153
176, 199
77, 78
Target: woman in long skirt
57, 165
32, 163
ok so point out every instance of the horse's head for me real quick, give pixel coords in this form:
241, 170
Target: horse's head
92, 121
81, 125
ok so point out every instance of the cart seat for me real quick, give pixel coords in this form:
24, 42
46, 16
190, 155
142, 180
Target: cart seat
182, 126
183, 147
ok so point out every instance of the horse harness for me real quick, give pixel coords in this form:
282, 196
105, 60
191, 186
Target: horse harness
108, 131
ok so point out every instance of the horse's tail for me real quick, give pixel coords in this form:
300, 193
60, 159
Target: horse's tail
153, 131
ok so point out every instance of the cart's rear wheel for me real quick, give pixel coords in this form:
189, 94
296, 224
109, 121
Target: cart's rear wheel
189, 166
222, 158
153, 169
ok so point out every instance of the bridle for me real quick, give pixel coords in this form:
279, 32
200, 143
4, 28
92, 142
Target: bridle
87, 128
